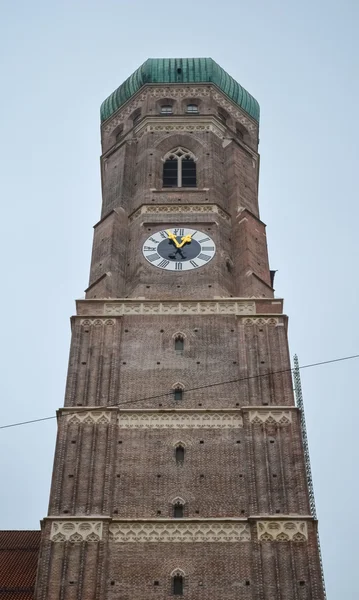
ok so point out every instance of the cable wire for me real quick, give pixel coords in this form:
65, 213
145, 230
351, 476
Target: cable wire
201, 387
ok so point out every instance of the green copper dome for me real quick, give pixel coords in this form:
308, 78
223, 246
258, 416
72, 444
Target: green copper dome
180, 70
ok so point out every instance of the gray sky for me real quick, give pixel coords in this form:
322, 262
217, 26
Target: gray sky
300, 60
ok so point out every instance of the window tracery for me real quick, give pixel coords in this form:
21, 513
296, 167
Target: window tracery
179, 168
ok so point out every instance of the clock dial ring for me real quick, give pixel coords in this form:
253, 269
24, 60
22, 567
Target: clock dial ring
179, 249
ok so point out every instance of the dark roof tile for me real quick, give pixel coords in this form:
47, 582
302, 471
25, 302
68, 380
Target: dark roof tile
19, 552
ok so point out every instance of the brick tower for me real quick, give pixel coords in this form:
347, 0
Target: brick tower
179, 466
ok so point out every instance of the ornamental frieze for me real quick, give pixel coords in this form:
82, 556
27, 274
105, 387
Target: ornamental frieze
94, 417
282, 531
273, 417
174, 209
76, 531
97, 322
179, 128
259, 321
179, 532
180, 420
179, 308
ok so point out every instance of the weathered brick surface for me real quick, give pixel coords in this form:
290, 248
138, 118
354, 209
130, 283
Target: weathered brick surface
235, 361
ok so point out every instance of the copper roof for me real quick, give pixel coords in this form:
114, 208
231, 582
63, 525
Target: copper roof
180, 70
19, 552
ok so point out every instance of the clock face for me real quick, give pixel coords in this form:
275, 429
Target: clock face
179, 249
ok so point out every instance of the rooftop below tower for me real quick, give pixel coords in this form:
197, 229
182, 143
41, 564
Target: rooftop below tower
180, 70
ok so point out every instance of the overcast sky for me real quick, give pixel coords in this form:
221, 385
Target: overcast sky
300, 60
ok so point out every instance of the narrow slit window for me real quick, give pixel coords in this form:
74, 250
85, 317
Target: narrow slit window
177, 585
178, 511
179, 345
180, 454
178, 394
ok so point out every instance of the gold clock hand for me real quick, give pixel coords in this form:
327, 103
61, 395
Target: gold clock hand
186, 239
173, 238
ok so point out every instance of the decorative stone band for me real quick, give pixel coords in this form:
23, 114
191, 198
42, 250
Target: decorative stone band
278, 417
180, 420
282, 531
273, 321
179, 92
289, 530
90, 417
174, 209
179, 308
97, 322
153, 126
180, 532
76, 531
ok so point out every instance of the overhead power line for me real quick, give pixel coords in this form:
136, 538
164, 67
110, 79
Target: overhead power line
201, 387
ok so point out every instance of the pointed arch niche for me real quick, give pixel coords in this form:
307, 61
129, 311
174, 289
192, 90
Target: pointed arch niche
179, 339
178, 390
180, 450
178, 505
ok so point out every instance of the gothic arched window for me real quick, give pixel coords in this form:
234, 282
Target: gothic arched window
179, 169
177, 390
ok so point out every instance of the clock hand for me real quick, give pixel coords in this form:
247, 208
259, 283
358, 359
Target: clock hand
186, 239
173, 238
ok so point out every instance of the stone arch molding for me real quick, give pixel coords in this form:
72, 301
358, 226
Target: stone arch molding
179, 335
178, 573
178, 500
182, 140
179, 444
178, 386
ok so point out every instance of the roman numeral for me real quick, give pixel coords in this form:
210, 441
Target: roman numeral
193, 263
203, 257
154, 240
207, 248
204, 240
178, 266
148, 248
163, 264
163, 234
178, 232
153, 257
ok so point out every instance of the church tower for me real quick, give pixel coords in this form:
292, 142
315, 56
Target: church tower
179, 466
